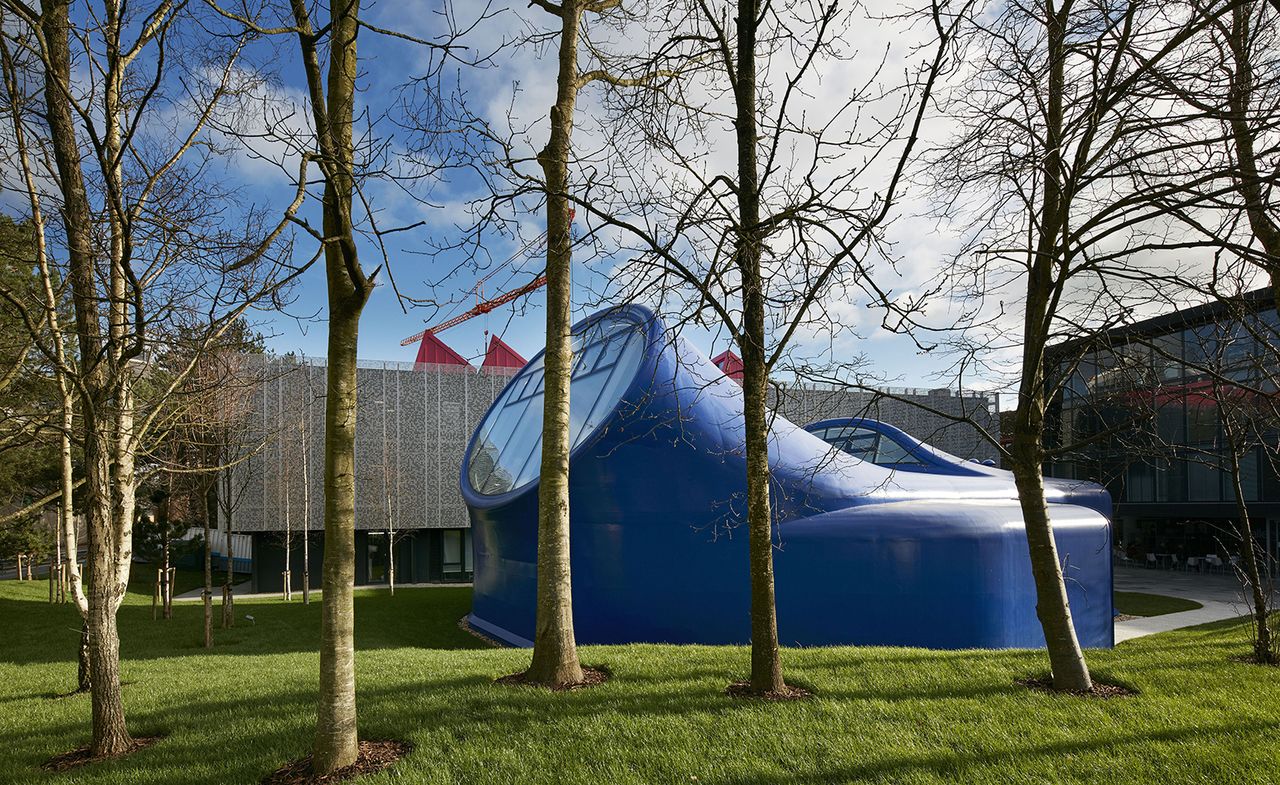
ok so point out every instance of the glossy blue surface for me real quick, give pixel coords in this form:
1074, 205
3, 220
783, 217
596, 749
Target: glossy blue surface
930, 460
865, 554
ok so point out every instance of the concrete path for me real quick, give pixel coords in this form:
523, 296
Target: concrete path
1221, 595
242, 591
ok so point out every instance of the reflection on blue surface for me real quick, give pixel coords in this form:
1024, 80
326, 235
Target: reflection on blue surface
928, 550
883, 444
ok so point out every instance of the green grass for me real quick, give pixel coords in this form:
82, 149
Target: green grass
142, 580
882, 715
1135, 603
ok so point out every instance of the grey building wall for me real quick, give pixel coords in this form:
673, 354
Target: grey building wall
412, 428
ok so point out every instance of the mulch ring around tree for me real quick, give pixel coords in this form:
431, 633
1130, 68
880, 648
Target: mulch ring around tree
1252, 659
82, 756
1100, 689
790, 692
374, 756
592, 675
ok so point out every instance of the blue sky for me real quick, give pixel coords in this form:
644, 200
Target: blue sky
523, 79
514, 93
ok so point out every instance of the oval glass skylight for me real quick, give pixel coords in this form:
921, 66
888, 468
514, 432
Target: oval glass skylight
507, 452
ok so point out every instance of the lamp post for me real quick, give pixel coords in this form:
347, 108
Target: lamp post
306, 490
386, 490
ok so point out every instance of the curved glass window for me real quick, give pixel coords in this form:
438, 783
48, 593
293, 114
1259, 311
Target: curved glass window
507, 452
867, 444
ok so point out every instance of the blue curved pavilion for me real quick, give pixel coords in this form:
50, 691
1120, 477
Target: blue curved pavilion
934, 556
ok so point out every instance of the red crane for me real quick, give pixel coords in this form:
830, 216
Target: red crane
483, 307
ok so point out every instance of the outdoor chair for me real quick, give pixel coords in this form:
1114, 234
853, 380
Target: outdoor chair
1151, 561
1214, 562
1193, 563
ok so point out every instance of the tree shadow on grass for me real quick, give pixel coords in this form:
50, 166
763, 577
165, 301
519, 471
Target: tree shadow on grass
951, 765
217, 740
37, 632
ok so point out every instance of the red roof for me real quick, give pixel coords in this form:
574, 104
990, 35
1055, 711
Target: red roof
433, 351
730, 363
500, 355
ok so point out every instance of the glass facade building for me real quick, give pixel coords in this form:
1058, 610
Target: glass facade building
1160, 408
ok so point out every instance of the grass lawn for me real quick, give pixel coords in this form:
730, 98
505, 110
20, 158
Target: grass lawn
1135, 603
881, 715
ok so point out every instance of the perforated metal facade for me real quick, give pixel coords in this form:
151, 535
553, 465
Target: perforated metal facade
412, 428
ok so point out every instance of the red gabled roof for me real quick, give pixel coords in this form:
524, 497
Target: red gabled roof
500, 355
433, 351
730, 363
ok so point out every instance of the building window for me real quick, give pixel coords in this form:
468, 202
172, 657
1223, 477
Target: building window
377, 557
508, 449
457, 553
1203, 481
1140, 483
1171, 483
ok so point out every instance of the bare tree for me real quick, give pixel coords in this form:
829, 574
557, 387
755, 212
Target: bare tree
347, 214
763, 244
1068, 170
1231, 389
513, 182
68, 544
555, 652
134, 205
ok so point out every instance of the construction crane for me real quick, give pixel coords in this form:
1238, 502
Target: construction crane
484, 306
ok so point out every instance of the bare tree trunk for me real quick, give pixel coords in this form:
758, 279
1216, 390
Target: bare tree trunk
1263, 648
1066, 658
53, 563
287, 575
336, 743
84, 679
306, 504
166, 589
108, 552
555, 651
228, 590
207, 594
70, 571
1252, 186
766, 663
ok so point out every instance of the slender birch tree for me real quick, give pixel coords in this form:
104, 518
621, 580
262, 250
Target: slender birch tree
128, 261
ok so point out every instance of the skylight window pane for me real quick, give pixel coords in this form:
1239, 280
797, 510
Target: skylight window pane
507, 452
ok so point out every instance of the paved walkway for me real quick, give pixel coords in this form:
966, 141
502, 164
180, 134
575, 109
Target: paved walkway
1221, 595
242, 590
